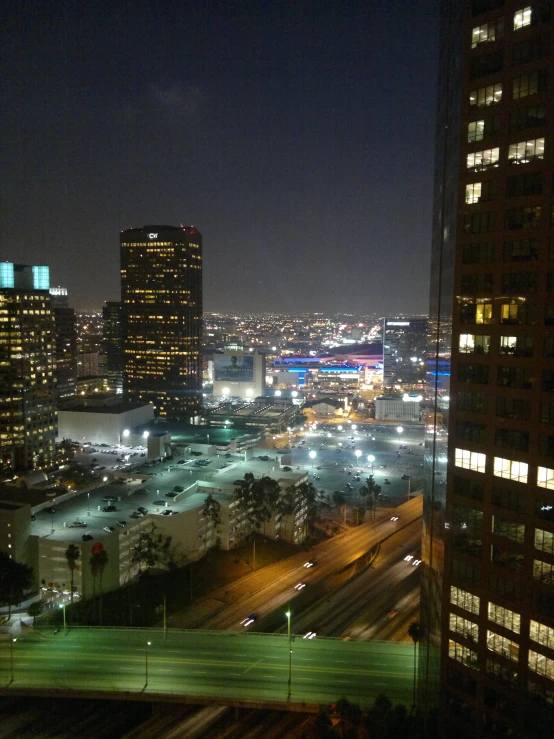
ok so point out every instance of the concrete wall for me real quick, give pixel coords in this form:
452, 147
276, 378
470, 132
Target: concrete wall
99, 428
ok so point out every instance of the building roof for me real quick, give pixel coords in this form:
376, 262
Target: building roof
115, 409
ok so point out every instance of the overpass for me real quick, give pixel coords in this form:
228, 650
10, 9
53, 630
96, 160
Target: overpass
226, 668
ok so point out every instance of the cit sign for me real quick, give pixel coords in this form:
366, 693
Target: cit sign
152, 236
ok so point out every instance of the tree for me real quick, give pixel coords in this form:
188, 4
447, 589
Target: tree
34, 610
72, 554
414, 631
212, 510
15, 579
370, 493
285, 505
152, 549
338, 499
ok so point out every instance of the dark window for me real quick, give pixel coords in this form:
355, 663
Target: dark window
475, 223
512, 530
548, 381
512, 439
519, 378
505, 556
517, 409
477, 283
483, 6
519, 282
478, 253
540, 13
524, 184
529, 84
505, 585
471, 402
483, 128
530, 117
528, 217
468, 488
470, 431
511, 499
487, 64
521, 250
471, 372
530, 50
546, 445
466, 572
547, 411
550, 281
544, 505
549, 347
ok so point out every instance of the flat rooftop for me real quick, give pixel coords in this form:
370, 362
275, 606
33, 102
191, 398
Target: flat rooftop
116, 408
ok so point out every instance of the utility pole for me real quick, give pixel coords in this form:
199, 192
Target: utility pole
254, 555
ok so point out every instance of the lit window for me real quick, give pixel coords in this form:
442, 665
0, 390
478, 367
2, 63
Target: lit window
502, 645
522, 18
470, 460
480, 160
462, 654
473, 193
541, 665
504, 617
487, 32
544, 572
545, 478
525, 151
464, 599
542, 634
489, 95
544, 540
462, 626
510, 469
483, 313
475, 131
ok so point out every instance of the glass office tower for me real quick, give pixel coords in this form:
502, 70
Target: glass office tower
28, 411
161, 293
488, 591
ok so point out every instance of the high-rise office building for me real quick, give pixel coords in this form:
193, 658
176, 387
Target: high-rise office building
404, 351
113, 344
488, 548
66, 343
161, 293
27, 369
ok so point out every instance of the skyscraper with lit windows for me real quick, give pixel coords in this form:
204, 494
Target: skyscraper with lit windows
27, 369
161, 294
488, 548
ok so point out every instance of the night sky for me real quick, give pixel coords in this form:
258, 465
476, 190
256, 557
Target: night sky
296, 136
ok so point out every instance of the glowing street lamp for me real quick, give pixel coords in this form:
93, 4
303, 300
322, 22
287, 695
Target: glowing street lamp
288, 615
62, 606
358, 454
354, 427
146, 663
399, 429
371, 460
145, 434
312, 455
339, 428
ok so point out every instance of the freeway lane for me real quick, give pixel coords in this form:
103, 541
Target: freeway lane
223, 666
273, 587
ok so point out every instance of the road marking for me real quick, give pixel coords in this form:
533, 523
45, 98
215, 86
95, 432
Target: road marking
269, 675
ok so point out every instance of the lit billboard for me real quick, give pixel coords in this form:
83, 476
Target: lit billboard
233, 368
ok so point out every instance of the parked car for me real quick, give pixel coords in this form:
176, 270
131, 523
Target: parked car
77, 525
108, 499
158, 502
109, 529
87, 537
122, 524
109, 508
171, 495
167, 512
287, 469
142, 509
179, 489
405, 477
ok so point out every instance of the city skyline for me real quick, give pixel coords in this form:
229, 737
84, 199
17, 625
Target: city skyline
280, 133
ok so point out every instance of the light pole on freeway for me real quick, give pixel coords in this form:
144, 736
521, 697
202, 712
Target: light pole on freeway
146, 664
12, 642
288, 615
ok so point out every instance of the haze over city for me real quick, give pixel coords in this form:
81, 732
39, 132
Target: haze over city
280, 130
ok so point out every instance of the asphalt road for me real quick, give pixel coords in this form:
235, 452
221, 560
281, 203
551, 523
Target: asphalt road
245, 666
274, 586
375, 603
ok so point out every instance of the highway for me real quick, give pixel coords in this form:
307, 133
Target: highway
360, 608
273, 587
223, 666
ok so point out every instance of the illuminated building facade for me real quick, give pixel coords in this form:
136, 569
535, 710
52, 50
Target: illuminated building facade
404, 351
113, 344
27, 369
66, 343
488, 548
161, 293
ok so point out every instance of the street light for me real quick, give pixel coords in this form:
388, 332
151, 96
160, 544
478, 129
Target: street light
371, 460
354, 427
12, 642
312, 455
288, 615
62, 605
339, 428
399, 429
88, 503
146, 663
358, 454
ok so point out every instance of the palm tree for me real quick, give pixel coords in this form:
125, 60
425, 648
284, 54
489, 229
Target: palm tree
370, 493
72, 554
415, 633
